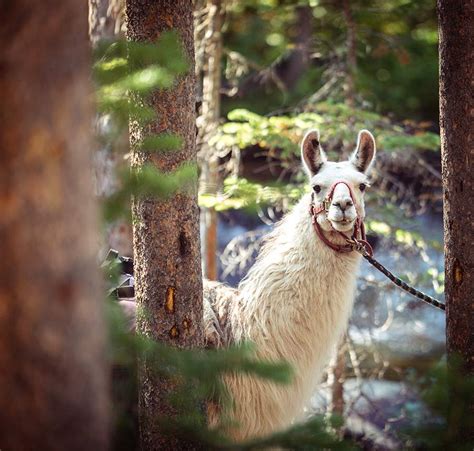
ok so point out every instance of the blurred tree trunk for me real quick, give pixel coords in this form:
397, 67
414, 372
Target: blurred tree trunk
208, 122
337, 369
53, 377
288, 69
166, 232
351, 61
100, 25
104, 19
336, 378
105, 25
292, 68
456, 32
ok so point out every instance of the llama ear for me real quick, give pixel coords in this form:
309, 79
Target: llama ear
312, 155
363, 156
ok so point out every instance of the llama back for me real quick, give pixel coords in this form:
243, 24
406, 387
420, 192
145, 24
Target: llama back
250, 413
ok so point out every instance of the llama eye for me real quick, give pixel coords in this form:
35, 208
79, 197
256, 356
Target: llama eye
362, 186
317, 189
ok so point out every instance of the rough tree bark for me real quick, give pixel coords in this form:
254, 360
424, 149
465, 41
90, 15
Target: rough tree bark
53, 377
166, 232
207, 126
456, 47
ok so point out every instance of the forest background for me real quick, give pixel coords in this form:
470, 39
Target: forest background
265, 71
269, 70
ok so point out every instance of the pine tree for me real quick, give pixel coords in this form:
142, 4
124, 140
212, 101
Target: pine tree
166, 230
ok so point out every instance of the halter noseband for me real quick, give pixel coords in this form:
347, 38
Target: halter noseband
358, 241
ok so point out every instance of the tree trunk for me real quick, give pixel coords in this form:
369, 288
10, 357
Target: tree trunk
290, 70
457, 152
207, 125
456, 49
336, 378
351, 43
53, 377
104, 19
166, 232
339, 367
290, 67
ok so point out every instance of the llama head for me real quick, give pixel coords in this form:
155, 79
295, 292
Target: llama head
344, 207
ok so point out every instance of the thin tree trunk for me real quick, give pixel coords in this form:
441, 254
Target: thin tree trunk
290, 71
351, 44
207, 125
336, 378
338, 368
53, 377
104, 19
456, 47
289, 68
166, 232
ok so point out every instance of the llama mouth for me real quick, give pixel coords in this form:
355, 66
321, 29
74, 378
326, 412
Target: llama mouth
343, 221
344, 225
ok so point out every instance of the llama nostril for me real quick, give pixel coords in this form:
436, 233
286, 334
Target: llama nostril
343, 205
340, 205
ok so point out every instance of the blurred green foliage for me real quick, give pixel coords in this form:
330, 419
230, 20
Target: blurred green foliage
148, 182
126, 74
396, 46
447, 421
240, 193
125, 70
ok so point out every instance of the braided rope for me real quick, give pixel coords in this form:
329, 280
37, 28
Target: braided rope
403, 285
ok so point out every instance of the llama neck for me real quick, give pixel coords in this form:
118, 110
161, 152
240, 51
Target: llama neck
298, 293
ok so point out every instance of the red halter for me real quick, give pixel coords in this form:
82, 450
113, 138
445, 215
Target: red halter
358, 238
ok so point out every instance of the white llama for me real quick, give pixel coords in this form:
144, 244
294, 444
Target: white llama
294, 304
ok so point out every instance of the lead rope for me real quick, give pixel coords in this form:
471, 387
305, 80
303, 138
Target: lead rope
362, 246
397, 281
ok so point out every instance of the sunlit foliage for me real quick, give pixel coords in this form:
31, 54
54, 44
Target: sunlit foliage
126, 73
284, 133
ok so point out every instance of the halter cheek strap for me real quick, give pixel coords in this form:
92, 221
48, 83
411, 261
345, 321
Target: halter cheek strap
358, 239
